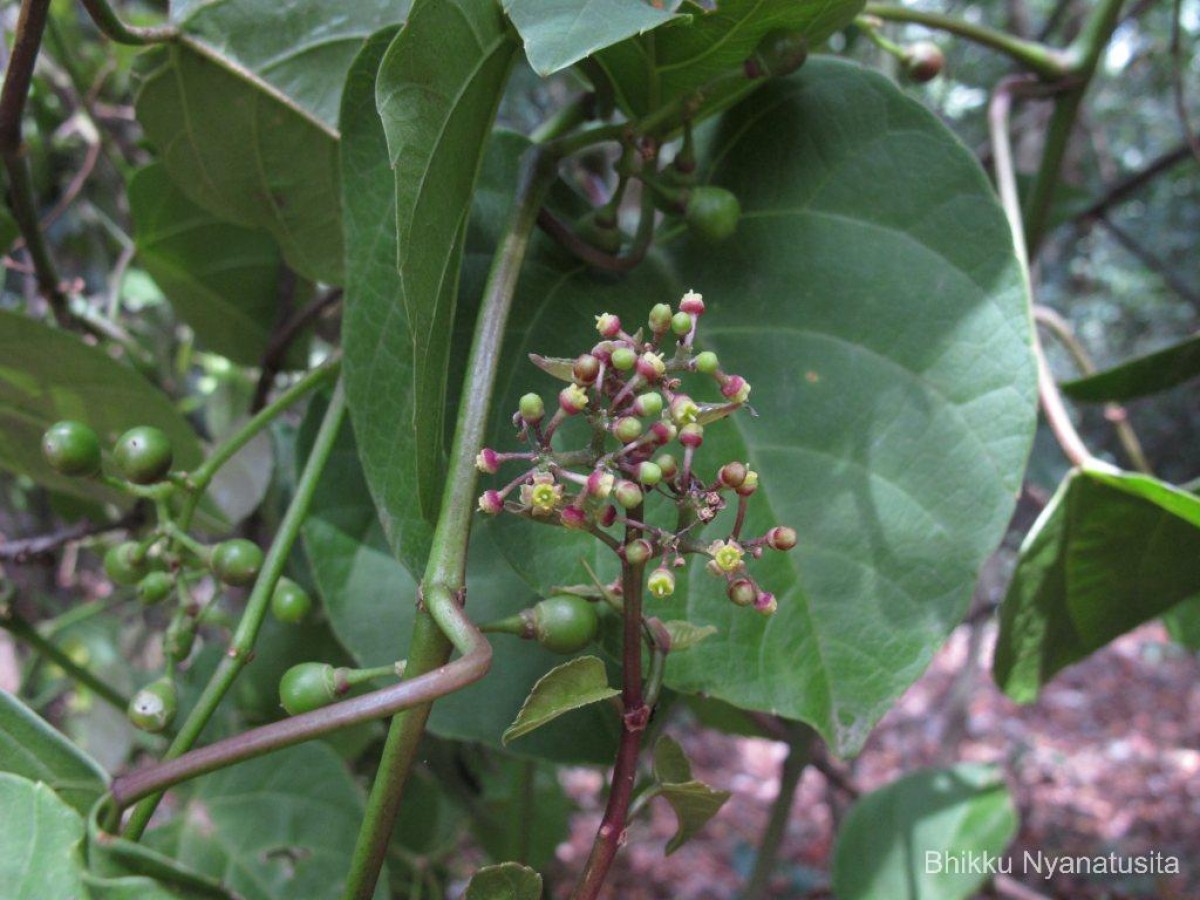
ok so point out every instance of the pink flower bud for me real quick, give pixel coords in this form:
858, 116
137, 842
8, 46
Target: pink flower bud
781, 538
491, 503
651, 366
732, 474
691, 435
664, 432
637, 552
608, 325
742, 592
572, 399
736, 389
608, 516
766, 604
586, 369
692, 303
600, 484
749, 484
487, 461
573, 517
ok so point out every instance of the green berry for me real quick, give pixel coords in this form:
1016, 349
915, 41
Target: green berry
564, 623
650, 404
237, 562
707, 362
125, 564
628, 494
71, 448
681, 323
290, 603
179, 638
649, 474
155, 588
660, 318
626, 429
144, 455
712, 213
624, 359
152, 708
532, 409
307, 686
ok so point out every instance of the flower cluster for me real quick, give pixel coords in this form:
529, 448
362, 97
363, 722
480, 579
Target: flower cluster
644, 434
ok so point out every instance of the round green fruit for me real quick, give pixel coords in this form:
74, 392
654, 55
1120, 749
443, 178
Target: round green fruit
565, 623
712, 213
306, 687
71, 448
144, 454
179, 638
125, 564
290, 603
237, 562
152, 708
155, 588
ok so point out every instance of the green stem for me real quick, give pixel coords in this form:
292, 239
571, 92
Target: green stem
799, 753
1084, 55
256, 606
439, 622
110, 23
19, 628
1045, 61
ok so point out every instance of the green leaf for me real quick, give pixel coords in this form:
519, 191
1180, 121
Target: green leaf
46, 375
1183, 623
671, 764
559, 33
694, 803
1110, 551
32, 748
886, 433
437, 90
685, 635
884, 846
280, 826
694, 50
1145, 375
507, 881
40, 838
579, 682
220, 278
370, 599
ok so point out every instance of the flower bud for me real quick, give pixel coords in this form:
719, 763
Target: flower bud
666, 463
661, 582
732, 474
608, 516
649, 474
692, 303
532, 409
572, 399
691, 435
781, 538
586, 369
749, 485
624, 358
627, 428
681, 323
651, 366
706, 362
573, 517
683, 409
628, 494
766, 604
637, 552
736, 389
649, 404
608, 325
491, 503
487, 461
743, 592
600, 484
660, 318
664, 432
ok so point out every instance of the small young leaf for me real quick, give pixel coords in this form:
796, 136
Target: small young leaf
1074, 589
1138, 377
671, 765
883, 844
694, 803
685, 634
507, 881
576, 683
560, 367
32, 748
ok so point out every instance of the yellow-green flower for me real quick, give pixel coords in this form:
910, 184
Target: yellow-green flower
727, 555
661, 582
542, 496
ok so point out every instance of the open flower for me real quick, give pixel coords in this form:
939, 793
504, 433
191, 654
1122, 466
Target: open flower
542, 495
727, 555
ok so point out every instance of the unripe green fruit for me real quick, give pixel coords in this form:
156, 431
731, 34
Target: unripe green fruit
564, 623
152, 708
71, 448
123, 564
290, 603
681, 323
599, 228
626, 429
144, 455
180, 636
237, 562
660, 318
923, 61
712, 213
532, 408
623, 359
155, 587
707, 362
306, 687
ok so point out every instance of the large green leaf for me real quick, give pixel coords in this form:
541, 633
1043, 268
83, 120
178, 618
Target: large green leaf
220, 278
32, 748
690, 52
370, 599
437, 90
242, 109
46, 375
908, 840
279, 826
40, 839
1145, 375
872, 299
559, 33
1110, 551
